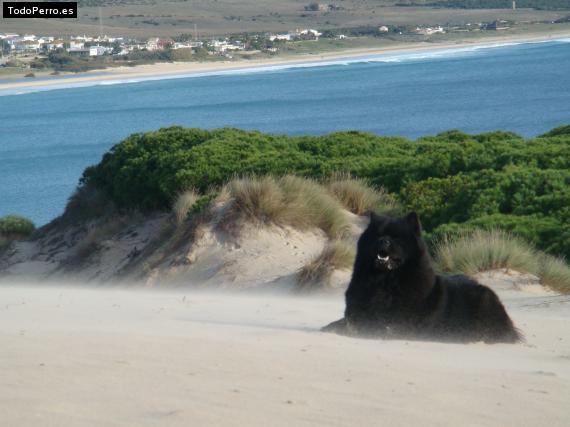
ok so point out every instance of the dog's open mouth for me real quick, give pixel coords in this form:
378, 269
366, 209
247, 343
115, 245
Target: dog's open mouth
387, 261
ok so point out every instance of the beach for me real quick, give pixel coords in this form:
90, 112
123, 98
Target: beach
160, 71
124, 357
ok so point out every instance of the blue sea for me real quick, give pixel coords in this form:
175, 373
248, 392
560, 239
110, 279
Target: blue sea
48, 137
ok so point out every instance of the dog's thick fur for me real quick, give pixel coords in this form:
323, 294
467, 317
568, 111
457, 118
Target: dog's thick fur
394, 292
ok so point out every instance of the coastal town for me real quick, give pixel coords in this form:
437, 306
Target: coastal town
19, 45
29, 53
14, 45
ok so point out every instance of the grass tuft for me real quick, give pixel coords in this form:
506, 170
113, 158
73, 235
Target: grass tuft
555, 273
336, 255
288, 200
183, 205
356, 195
482, 250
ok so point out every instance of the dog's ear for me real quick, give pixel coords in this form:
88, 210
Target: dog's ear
414, 222
377, 219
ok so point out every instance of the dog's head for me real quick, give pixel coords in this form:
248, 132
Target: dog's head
389, 243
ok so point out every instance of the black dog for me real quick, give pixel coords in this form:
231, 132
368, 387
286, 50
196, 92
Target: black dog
394, 292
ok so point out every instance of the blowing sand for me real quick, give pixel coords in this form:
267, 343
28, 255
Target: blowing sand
105, 357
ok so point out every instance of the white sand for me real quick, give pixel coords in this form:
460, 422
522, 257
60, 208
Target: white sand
103, 357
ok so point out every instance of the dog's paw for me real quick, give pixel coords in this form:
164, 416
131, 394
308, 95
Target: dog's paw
338, 327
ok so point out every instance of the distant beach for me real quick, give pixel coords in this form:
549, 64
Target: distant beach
162, 71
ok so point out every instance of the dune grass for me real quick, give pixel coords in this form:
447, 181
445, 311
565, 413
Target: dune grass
555, 273
483, 250
336, 255
357, 196
289, 200
183, 204
95, 236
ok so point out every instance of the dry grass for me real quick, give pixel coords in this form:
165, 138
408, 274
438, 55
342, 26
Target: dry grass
555, 272
483, 250
4, 241
94, 237
184, 202
356, 195
336, 255
297, 202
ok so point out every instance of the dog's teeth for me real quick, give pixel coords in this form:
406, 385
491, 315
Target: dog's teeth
386, 258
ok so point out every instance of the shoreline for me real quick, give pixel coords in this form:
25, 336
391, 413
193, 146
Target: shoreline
163, 71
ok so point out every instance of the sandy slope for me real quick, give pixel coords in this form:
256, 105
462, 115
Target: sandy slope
104, 357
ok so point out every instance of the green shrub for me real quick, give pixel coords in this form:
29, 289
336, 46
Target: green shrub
16, 227
495, 179
559, 131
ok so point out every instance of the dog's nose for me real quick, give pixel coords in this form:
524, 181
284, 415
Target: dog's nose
384, 243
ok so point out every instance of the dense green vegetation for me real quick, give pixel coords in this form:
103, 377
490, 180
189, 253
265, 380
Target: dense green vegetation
15, 227
456, 181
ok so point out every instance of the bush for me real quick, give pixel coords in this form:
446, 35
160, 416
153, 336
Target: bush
559, 131
16, 227
495, 179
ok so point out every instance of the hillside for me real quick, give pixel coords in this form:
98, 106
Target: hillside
170, 207
172, 17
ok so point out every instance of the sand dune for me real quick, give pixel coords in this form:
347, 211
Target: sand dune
107, 357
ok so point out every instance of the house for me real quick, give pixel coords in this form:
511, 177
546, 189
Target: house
76, 45
497, 25
429, 31
306, 34
155, 43
164, 43
55, 44
383, 29
98, 50
152, 43
79, 52
280, 37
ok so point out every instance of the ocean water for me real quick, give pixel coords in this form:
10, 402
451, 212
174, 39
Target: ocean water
47, 138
